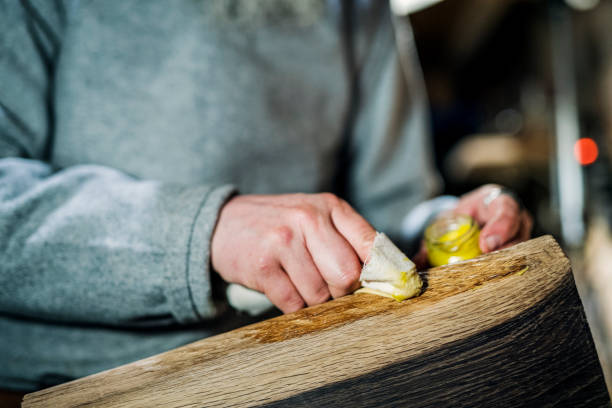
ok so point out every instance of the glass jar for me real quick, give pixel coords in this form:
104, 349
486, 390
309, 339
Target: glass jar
452, 238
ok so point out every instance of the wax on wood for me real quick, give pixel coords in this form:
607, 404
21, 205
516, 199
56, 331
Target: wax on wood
504, 329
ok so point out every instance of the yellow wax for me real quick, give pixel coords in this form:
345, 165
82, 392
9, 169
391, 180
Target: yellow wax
454, 234
452, 240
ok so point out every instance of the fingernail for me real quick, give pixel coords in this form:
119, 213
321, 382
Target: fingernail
493, 241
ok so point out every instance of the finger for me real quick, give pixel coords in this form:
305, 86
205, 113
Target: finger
278, 288
334, 257
304, 275
526, 226
354, 228
473, 203
524, 232
468, 206
503, 203
501, 224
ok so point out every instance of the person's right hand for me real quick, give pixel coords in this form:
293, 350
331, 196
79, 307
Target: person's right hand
296, 248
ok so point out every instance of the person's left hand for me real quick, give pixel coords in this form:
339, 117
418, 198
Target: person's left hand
503, 221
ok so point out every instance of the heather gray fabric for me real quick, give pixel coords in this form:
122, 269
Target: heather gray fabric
125, 126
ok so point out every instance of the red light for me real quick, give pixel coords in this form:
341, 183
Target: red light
586, 151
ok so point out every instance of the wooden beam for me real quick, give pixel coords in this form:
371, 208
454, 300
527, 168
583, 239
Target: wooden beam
505, 329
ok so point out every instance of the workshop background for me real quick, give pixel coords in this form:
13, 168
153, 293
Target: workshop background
521, 95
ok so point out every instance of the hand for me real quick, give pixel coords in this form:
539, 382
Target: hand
296, 248
502, 219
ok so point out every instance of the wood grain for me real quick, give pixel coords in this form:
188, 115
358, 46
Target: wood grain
505, 329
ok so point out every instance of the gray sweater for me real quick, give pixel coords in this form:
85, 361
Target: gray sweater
125, 126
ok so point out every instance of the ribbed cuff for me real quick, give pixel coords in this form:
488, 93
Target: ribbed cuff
189, 289
198, 262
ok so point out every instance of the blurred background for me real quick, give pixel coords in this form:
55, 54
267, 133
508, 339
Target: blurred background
521, 94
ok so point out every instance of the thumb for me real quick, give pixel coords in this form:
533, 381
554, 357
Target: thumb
500, 229
354, 228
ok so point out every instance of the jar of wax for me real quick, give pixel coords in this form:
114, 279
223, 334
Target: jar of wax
452, 238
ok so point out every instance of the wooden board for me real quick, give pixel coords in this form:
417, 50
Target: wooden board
505, 329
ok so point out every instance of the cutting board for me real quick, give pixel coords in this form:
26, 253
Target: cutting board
506, 329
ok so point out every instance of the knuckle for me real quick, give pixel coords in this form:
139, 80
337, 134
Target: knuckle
330, 199
490, 186
289, 299
264, 265
506, 207
320, 296
285, 295
282, 236
347, 278
344, 206
262, 273
305, 214
298, 199
367, 235
508, 204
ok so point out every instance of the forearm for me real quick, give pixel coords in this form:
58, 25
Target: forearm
91, 244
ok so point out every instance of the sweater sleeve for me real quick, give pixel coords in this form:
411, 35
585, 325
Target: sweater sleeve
391, 168
88, 243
